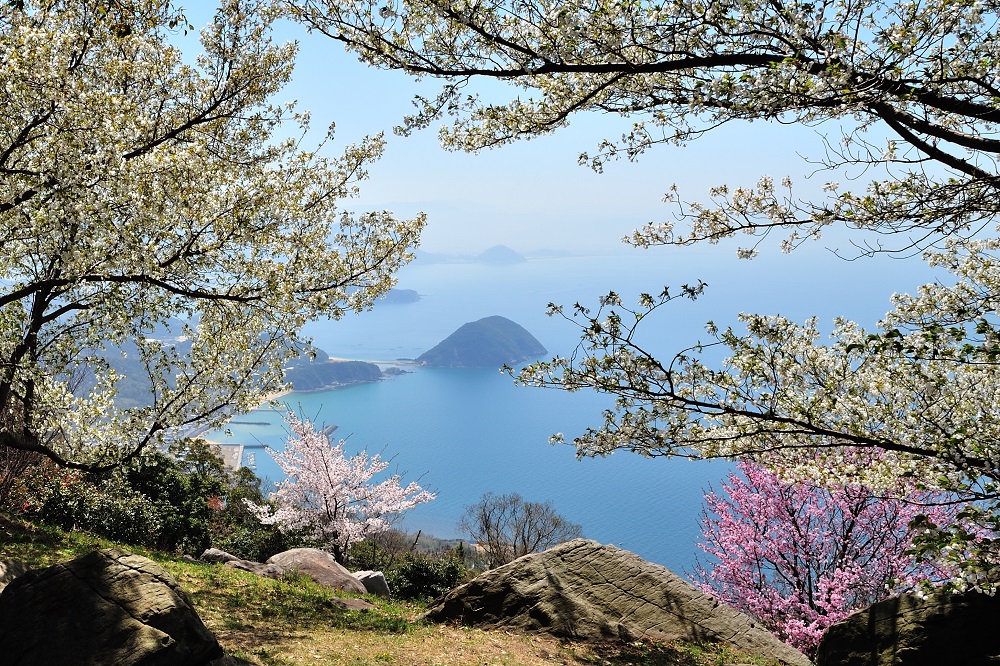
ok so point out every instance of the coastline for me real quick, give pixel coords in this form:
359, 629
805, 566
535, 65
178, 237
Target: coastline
272, 396
231, 452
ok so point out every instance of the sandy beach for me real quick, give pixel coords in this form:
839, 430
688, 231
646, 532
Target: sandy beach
272, 396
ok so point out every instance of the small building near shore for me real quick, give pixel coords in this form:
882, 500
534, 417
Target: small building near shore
232, 455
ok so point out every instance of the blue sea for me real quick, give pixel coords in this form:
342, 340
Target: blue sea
464, 432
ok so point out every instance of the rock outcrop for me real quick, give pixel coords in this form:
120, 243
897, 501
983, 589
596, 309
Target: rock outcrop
265, 570
216, 556
106, 607
583, 590
320, 566
374, 582
10, 570
958, 630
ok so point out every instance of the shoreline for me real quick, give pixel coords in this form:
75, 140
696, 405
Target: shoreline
270, 397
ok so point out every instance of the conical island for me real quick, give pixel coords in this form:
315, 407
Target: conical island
490, 342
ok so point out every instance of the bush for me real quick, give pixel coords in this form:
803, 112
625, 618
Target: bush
181, 500
157, 501
422, 576
70, 500
255, 543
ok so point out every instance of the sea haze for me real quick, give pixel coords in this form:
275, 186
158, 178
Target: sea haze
464, 432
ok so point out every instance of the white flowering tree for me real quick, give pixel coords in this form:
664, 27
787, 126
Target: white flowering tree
163, 203
332, 498
911, 88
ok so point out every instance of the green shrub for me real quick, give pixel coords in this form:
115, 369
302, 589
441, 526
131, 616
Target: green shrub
181, 500
423, 576
255, 543
71, 500
157, 500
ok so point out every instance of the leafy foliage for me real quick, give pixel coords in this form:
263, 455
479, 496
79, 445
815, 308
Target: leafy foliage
69, 499
163, 203
180, 498
412, 571
425, 575
156, 501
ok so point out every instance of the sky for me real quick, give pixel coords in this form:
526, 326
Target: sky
532, 194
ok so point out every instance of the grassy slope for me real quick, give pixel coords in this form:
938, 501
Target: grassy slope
279, 623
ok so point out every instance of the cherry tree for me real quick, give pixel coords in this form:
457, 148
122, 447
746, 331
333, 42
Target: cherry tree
332, 498
162, 204
904, 96
800, 557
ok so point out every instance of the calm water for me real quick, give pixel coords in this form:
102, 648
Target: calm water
463, 432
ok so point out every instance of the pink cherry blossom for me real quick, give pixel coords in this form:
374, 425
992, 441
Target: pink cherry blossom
331, 497
799, 557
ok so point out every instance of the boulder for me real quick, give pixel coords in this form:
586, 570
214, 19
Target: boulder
953, 629
106, 607
267, 570
374, 582
216, 556
582, 590
320, 566
10, 570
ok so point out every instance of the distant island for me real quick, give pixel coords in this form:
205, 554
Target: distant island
396, 296
306, 375
500, 254
496, 255
490, 342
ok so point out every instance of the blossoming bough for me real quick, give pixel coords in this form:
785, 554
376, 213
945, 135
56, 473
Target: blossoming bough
800, 557
923, 386
139, 186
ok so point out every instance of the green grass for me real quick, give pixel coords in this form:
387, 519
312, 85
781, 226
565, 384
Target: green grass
243, 601
294, 621
40, 546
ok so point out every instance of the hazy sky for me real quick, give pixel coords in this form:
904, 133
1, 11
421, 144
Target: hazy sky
533, 195
528, 195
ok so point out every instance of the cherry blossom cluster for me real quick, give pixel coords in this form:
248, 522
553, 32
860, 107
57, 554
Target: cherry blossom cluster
162, 205
330, 497
800, 557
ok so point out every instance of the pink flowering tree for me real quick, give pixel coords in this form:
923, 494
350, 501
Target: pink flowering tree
800, 557
330, 497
